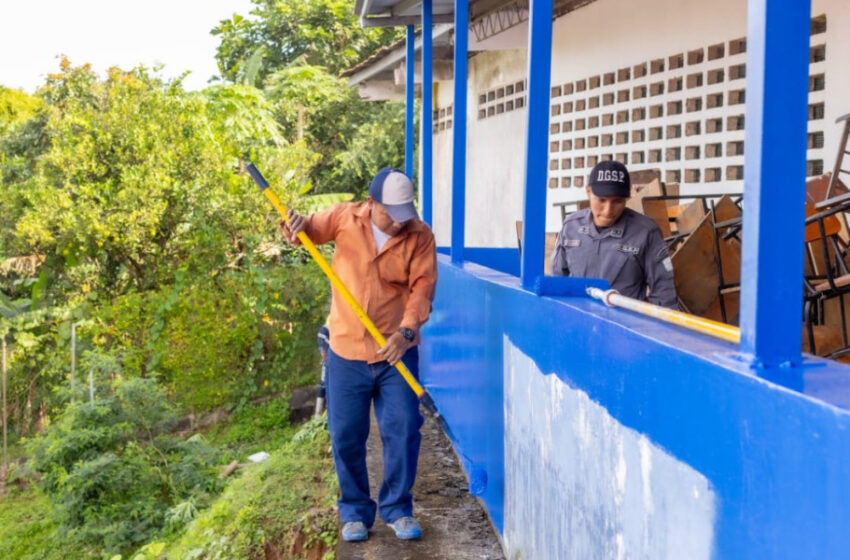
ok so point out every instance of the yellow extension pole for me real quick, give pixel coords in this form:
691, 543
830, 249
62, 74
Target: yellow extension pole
612, 298
337, 283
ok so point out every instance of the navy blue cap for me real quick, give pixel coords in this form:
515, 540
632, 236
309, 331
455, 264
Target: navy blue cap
610, 178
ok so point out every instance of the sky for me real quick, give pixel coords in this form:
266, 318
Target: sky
106, 33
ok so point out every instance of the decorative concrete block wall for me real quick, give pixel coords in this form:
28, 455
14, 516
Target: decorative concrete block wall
656, 84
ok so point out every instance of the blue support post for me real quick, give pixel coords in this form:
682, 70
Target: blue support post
459, 129
774, 181
408, 107
427, 120
537, 143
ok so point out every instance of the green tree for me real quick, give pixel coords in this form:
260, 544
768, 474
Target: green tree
137, 177
295, 50
125, 204
351, 138
16, 107
281, 32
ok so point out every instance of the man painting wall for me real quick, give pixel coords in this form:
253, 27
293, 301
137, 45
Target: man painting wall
387, 258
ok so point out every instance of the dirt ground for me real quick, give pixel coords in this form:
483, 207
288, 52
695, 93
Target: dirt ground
454, 524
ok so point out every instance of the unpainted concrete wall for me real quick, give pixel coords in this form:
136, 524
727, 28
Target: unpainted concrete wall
579, 484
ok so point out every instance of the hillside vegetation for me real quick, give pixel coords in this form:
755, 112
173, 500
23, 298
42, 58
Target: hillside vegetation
131, 235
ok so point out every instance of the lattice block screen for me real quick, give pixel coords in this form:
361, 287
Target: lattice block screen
443, 118
501, 99
682, 114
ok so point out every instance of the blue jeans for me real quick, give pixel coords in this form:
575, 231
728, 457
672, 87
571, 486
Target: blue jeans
352, 385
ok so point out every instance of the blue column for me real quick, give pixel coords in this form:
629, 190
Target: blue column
427, 120
774, 181
459, 129
537, 142
408, 107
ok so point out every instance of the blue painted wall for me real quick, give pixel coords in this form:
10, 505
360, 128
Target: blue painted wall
503, 259
775, 454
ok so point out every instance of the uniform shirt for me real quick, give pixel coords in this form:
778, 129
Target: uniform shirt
395, 286
631, 255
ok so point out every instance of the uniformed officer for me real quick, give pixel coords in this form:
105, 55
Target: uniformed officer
613, 242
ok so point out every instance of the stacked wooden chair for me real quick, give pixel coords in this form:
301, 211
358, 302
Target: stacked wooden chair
826, 273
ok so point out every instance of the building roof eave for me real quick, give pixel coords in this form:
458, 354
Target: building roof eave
387, 57
373, 12
388, 10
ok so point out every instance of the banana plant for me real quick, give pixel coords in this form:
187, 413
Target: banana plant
11, 309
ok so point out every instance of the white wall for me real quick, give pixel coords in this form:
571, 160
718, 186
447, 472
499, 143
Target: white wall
442, 178
495, 169
837, 69
603, 37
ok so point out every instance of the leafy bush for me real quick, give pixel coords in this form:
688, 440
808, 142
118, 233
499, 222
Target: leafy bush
221, 341
28, 530
259, 513
15, 107
114, 475
123, 195
253, 424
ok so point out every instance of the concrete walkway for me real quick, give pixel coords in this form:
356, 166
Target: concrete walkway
454, 524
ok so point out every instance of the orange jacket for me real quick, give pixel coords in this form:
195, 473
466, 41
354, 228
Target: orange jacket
395, 287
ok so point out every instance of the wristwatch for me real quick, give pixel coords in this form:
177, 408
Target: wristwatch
408, 334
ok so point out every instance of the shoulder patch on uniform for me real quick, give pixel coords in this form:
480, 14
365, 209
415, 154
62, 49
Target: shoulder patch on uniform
628, 249
668, 264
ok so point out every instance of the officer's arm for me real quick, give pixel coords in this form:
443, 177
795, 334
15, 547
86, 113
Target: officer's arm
659, 272
559, 257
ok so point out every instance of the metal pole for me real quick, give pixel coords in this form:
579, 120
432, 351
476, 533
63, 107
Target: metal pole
409, 102
537, 143
73, 356
459, 129
774, 180
427, 120
5, 416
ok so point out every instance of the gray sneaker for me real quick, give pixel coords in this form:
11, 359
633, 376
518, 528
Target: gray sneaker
353, 531
406, 528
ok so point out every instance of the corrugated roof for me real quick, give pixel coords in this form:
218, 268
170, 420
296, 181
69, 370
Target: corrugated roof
478, 9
